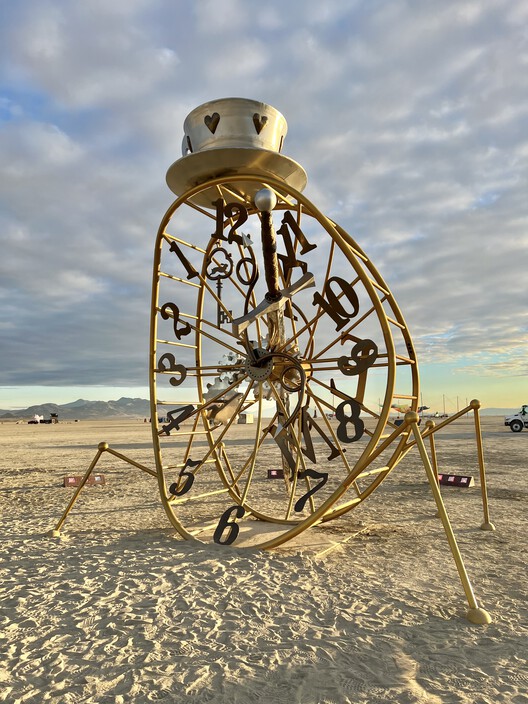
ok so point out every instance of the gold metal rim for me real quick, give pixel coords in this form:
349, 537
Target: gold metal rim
373, 284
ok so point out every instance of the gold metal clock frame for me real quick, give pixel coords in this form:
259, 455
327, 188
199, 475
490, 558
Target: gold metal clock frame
291, 330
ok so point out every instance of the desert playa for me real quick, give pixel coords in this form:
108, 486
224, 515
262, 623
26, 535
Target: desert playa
121, 610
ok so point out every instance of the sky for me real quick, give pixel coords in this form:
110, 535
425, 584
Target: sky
409, 117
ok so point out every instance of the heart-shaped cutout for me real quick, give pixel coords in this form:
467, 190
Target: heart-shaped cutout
212, 121
259, 122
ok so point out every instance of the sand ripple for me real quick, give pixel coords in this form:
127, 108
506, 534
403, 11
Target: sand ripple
122, 612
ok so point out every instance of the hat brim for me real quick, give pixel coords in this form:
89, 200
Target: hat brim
200, 167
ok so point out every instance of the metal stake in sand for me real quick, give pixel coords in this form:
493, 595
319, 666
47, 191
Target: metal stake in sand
475, 613
486, 525
430, 427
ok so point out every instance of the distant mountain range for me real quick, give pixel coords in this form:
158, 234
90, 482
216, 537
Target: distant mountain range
127, 408
84, 410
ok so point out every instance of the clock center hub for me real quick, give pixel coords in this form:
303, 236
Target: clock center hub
259, 371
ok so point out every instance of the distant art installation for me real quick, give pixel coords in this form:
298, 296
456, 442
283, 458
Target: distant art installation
265, 308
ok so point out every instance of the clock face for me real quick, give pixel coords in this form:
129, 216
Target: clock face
269, 415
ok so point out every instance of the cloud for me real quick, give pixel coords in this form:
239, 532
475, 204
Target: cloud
87, 56
410, 121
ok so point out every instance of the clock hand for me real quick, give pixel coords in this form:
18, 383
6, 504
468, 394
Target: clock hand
267, 306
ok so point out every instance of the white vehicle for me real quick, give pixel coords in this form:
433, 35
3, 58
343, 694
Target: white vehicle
519, 420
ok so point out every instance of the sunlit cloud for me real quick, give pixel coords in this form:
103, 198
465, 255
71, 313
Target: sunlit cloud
410, 121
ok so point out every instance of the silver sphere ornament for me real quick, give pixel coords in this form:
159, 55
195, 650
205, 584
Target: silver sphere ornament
265, 200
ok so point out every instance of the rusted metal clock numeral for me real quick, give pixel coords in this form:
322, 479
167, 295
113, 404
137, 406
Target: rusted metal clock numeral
243, 277
169, 360
333, 306
191, 271
344, 419
230, 210
289, 260
314, 474
248, 273
179, 488
184, 413
184, 329
226, 522
362, 356
282, 439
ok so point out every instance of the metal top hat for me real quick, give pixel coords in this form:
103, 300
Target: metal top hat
233, 136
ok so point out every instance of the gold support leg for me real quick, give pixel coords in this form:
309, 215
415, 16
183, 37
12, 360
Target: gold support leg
102, 447
430, 425
486, 525
475, 613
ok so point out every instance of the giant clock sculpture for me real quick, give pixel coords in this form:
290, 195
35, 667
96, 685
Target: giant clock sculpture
277, 351
265, 309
